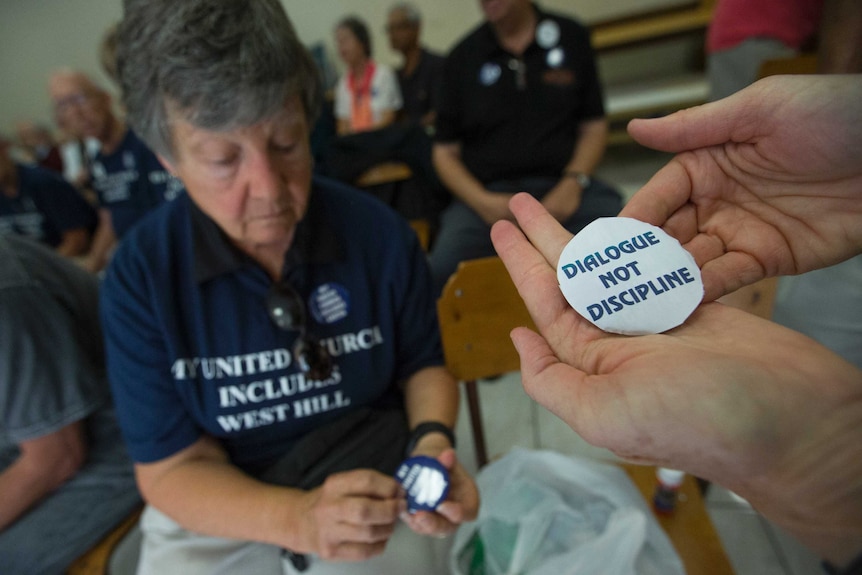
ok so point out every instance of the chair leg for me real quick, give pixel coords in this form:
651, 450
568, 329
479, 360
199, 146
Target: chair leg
476, 422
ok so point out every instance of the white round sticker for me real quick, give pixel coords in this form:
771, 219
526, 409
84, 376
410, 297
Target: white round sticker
555, 58
626, 276
548, 34
489, 73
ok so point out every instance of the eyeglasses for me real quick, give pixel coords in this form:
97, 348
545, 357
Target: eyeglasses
397, 26
73, 100
287, 311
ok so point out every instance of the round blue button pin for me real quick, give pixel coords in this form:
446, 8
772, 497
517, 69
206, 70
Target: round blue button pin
426, 482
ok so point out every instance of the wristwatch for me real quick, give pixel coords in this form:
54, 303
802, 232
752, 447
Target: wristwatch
584, 180
424, 429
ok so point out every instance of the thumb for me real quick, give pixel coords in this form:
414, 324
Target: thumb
552, 383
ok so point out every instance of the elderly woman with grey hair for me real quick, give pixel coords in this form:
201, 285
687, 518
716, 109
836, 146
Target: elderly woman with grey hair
272, 339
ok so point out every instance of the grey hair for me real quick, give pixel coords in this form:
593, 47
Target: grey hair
218, 64
411, 12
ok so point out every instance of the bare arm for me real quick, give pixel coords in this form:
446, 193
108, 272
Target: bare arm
387, 118
103, 242
840, 38
74, 242
454, 174
44, 465
432, 394
565, 198
342, 127
350, 517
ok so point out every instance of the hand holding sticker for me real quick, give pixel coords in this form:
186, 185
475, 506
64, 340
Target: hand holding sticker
629, 277
426, 482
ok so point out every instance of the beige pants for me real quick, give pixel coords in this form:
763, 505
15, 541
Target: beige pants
169, 549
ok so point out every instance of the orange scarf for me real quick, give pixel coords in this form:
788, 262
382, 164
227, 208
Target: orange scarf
361, 116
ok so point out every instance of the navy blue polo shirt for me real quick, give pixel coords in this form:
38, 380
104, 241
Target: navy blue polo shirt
192, 350
130, 181
519, 117
45, 207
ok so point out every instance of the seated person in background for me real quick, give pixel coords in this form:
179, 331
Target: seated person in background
420, 74
40, 145
38, 203
127, 177
727, 396
367, 95
213, 309
65, 477
520, 111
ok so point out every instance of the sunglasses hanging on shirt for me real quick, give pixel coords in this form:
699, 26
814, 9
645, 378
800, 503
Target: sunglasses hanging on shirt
287, 311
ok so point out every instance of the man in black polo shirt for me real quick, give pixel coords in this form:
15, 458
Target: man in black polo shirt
520, 110
420, 74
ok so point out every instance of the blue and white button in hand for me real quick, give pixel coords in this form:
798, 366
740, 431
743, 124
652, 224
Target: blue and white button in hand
426, 482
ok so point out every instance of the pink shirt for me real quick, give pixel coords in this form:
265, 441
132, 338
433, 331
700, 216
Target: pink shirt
790, 21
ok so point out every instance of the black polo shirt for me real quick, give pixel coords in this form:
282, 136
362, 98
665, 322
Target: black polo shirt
420, 90
519, 117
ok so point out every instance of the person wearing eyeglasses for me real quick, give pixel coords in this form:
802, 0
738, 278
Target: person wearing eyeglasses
264, 307
128, 179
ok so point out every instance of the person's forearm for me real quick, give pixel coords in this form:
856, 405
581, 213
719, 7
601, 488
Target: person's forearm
21, 487
455, 176
103, 241
817, 495
840, 38
387, 118
74, 243
342, 127
44, 464
590, 147
209, 495
432, 395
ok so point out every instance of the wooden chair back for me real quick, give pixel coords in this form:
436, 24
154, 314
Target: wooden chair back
477, 310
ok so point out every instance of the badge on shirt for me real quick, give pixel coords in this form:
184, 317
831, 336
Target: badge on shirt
489, 74
555, 57
548, 34
329, 303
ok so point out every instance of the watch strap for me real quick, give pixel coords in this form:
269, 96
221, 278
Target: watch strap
584, 180
424, 429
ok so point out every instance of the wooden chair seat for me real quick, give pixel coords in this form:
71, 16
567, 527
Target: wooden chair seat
95, 561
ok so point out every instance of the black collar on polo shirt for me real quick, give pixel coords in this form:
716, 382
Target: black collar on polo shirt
313, 243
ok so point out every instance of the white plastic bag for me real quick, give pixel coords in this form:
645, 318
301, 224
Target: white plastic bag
544, 513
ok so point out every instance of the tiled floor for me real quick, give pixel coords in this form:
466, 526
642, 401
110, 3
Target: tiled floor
754, 546
511, 418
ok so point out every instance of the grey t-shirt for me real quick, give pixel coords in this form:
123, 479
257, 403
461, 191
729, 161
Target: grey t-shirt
51, 349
